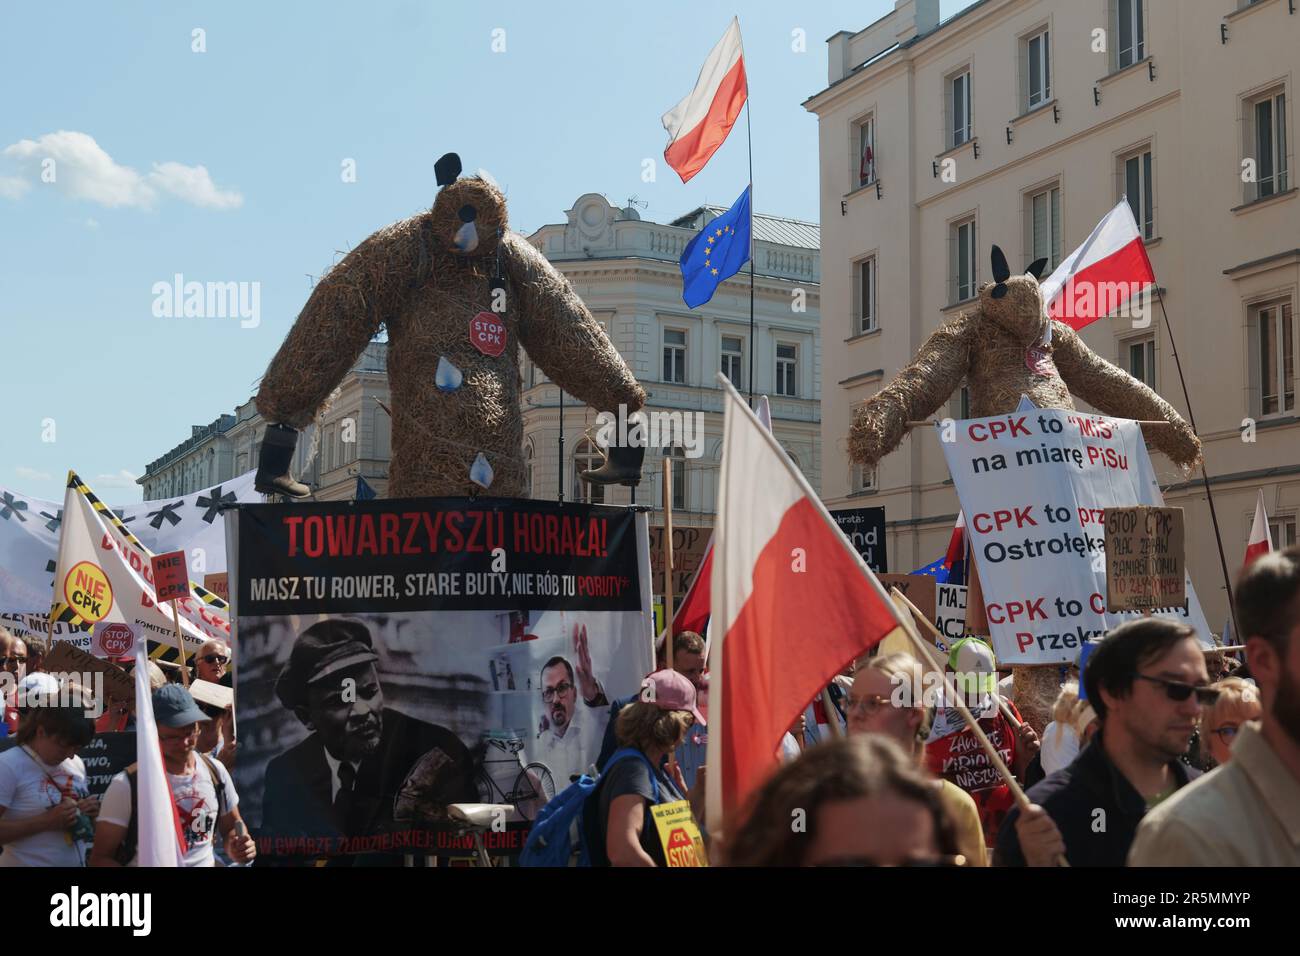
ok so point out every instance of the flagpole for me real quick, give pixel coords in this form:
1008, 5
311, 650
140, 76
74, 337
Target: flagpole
753, 341
1205, 478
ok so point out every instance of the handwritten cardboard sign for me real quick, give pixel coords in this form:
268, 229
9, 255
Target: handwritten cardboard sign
66, 658
1145, 565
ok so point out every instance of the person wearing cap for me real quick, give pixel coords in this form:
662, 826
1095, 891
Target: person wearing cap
342, 780
622, 832
202, 791
954, 753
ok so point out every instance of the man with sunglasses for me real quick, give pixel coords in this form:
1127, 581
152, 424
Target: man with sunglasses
13, 659
1148, 683
1247, 812
211, 661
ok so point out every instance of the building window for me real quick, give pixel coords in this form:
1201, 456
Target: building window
866, 140
787, 357
1045, 226
959, 111
1273, 348
962, 241
1129, 28
677, 454
1140, 359
587, 457
675, 356
959, 404
864, 478
1135, 174
1037, 65
1282, 530
1267, 118
733, 357
865, 294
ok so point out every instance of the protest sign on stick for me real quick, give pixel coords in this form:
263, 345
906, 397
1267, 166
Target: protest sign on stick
171, 583
1144, 558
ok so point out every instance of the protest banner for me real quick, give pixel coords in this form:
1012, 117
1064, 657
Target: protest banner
1034, 486
65, 658
679, 835
949, 614
865, 528
103, 573
29, 537
218, 584
476, 646
1144, 558
689, 546
105, 757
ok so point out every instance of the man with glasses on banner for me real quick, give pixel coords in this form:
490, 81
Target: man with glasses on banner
1148, 683
570, 736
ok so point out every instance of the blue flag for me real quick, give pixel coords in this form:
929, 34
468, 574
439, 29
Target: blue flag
364, 491
717, 253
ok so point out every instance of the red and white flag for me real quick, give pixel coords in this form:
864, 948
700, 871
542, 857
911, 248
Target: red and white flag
158, 837
1261, 541
793, 604
693, 613
1102, 274
698, 124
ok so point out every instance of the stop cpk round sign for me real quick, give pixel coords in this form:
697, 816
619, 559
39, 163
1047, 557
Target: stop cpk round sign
112, 640
681, 849
487, 333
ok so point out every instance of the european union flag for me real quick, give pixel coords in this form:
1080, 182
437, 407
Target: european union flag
717, 253
364, 491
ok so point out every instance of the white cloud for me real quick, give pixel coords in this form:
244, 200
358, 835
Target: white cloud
123, 479
83, 170
13, 187
92, 223
31, 474
193, 185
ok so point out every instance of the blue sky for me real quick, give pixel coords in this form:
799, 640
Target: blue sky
284, 93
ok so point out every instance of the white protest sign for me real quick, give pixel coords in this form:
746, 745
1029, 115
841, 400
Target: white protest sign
1034, 486
949, 614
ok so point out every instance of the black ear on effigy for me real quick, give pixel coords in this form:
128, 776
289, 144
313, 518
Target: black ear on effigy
1036, 268
446, 169
1001, 273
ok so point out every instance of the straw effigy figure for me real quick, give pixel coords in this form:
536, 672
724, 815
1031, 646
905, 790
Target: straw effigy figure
997, 349
458, 294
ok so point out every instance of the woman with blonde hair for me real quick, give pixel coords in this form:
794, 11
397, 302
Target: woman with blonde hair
1238, 702
622, 831
1060, 739
862, 801
888, 697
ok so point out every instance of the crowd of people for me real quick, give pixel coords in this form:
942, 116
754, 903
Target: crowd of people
1158, 753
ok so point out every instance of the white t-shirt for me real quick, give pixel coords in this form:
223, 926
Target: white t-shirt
1059, 747
196, 802
29, 787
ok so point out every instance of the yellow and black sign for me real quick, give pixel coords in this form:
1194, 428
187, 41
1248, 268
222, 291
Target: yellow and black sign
679, 834
86, 588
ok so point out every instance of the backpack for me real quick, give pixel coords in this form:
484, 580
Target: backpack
550, 841
126, 849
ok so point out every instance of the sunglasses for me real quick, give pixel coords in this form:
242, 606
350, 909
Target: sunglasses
214, 659
1178, 691
6, 661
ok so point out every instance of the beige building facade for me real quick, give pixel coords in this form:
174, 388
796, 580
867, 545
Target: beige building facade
1020, 123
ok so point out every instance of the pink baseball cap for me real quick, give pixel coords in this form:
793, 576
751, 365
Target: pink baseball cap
671, 690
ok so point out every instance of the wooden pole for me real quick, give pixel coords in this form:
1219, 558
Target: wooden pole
180, 645
668, 563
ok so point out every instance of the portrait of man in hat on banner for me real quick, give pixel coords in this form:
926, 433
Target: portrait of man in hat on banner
345, 778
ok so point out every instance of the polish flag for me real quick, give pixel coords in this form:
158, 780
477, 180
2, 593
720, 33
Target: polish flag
1100, 276
700, 122
158, 835
1261, 542
693, 613
793, 604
